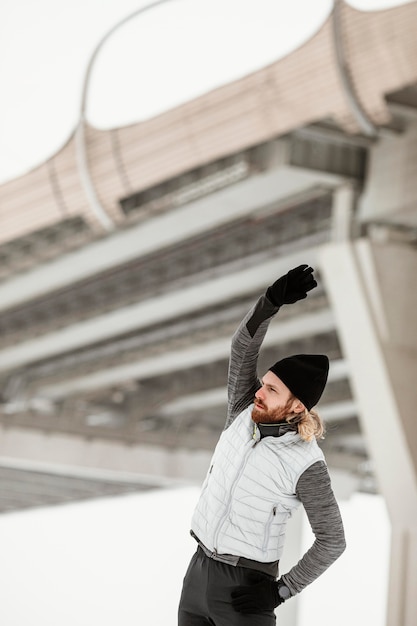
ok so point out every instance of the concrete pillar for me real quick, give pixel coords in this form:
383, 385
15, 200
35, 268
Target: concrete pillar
373, 292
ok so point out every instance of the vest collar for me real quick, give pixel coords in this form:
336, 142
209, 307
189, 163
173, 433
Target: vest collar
276, 430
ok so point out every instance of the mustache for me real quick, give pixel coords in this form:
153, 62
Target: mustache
259, 403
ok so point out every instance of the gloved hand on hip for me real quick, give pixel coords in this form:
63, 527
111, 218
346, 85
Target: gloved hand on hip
292, 287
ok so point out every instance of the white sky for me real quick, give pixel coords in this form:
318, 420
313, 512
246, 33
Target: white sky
156, 61
122, 561
93, 563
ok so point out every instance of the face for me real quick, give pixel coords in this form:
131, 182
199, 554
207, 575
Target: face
274, 401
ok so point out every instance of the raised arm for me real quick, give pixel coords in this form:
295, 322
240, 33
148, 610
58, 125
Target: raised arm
243, 381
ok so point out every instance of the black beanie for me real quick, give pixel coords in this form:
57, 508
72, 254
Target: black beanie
305, 375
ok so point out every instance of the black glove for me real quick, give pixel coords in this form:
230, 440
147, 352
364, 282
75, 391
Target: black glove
261, 596
292, 286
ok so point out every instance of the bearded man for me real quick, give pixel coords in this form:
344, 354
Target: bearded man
266, 463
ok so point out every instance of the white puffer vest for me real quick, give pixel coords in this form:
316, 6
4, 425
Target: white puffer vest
249, 491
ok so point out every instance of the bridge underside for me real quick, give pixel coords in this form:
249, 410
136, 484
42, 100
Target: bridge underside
135, 356
122, 344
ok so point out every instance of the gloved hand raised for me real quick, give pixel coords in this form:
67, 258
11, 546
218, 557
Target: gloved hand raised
292, 286
261, 596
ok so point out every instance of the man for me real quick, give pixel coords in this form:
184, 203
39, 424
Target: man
266, 462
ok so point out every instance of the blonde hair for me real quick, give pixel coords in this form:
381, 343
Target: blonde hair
309, 424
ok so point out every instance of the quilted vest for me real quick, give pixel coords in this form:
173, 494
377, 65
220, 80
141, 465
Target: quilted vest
249, 492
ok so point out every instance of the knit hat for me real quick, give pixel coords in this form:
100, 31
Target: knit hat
305, 375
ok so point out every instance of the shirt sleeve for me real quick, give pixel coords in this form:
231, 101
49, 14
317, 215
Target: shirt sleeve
243, 382
316, 494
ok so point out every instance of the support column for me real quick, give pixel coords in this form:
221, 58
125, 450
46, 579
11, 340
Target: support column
373, 292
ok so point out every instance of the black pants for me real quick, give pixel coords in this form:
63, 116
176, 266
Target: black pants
206, 594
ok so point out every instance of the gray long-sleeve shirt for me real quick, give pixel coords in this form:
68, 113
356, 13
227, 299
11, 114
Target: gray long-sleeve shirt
314, 486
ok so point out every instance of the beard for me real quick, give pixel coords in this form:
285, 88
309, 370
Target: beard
261, 414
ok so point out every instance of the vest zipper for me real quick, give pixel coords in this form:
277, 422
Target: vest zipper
232, 490
268, 528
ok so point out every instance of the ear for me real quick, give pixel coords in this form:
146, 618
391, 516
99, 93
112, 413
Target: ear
297, 406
